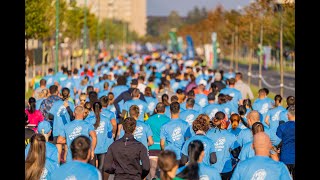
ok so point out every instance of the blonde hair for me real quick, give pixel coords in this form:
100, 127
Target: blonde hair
36, 158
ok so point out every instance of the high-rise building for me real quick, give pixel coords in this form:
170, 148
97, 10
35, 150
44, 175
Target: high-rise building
133, 12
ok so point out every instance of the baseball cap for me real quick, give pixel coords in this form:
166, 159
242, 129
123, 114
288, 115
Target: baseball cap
45, 125
134, 82
202, 81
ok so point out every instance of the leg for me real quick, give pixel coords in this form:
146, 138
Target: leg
100, 158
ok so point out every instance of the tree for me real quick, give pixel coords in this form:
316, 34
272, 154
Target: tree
174, 20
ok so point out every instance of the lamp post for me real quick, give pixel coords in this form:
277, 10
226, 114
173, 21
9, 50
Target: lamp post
57, 37
281, 52
85, 32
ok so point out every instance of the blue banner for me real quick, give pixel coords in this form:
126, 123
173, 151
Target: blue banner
190, 49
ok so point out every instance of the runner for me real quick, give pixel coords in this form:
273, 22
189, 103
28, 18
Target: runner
273, 115
189, 115
28, 132
143, 107
34, 115
262, 104
150, 99
37, 91
283, 114
243, 87
168, 165
78, 168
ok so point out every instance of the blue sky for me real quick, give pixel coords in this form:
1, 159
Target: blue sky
164, 7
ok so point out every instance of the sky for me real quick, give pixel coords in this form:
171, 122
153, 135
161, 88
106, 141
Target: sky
164, 7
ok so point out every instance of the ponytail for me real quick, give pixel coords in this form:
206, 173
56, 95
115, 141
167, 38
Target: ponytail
32, 103
97, 108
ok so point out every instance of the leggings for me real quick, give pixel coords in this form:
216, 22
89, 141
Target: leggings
100, 158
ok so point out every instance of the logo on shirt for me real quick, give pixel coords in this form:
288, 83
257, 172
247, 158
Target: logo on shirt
151, 106
264, 108
72, 177
75, 133
68, 85
44, 174
227, 110
259, 175
219, 144
138, 132
213, 112
190, 119
204, 177
275, 117
62, 110
231, 94
49, 81
100, 129
176, 134
202, 102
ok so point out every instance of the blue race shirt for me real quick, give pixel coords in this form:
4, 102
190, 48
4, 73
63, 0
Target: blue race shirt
141, 134
223, 142
103, 93
143, 107
151, 104
246, 151
49, 167
74, 129
38, 103
61, 117
196, 107
202, 100
286, 132
117, 90
234, 93
212, 109
246, 136
284, 116
229, 108
104, 133
260, 167
274, 117
205, 172
155, 122
208, 147
76, 170
70, 84
174, 133
50, 80
189, 116
167, 112
263, 106
51, 151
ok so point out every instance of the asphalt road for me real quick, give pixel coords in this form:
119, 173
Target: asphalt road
270, 76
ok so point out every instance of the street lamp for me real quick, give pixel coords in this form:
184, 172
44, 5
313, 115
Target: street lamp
85, 33
57, 37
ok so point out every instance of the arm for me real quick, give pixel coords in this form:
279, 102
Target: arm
142, 97
114, 126
213, 158
93, 136
249, 92
116, 103
108, 162
183, 160
162, 141
266, 120
236, 151
150, 141
145, 161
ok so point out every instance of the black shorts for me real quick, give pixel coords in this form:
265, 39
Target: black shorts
154, 152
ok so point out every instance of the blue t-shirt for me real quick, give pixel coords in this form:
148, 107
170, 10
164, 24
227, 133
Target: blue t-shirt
174, 133
234, 93
212, 109
286, 132
246, 151
274, 117
167, 112
205, 172
263, 106
104, 133
155, 122
141, 133
61, 117
49, 167
103, 93
183, 84
38, 103
189, 115
76, 170
229, 108
201, 99
284, 116
196, 107
143, 107
223, 142
51, 151
50, 80
260, 167
74, 129
69, 83
151, 104
246, 136
117, 90
208, 147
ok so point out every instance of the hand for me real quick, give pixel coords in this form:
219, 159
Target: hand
66, 103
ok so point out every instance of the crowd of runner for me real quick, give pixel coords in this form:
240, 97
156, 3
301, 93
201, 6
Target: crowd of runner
156, 117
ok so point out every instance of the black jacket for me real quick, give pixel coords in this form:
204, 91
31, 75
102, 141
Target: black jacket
123, 159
